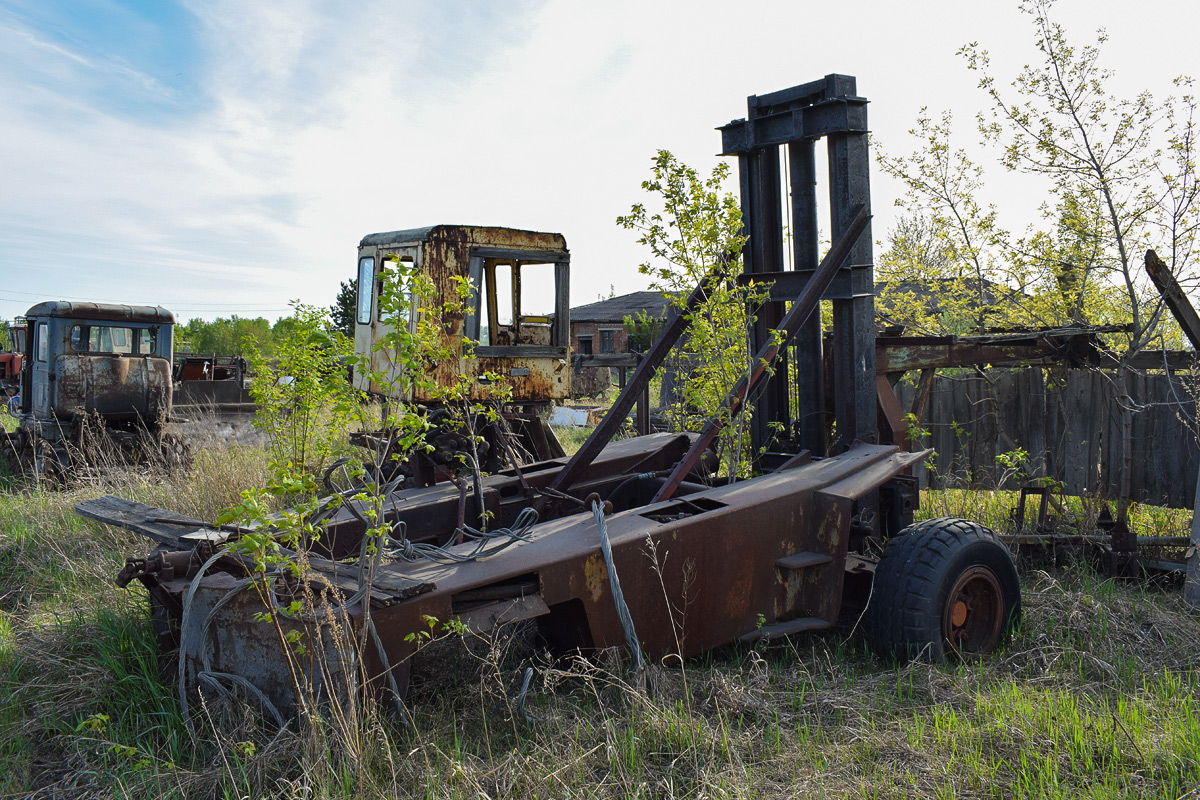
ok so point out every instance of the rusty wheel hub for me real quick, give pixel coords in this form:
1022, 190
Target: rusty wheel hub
974, 612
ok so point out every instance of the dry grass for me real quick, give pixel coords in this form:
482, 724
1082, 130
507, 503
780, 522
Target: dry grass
1095, 696
1052, 715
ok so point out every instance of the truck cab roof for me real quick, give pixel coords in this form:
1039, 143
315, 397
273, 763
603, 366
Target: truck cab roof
102, 311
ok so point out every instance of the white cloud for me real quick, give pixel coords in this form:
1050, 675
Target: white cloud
314, 123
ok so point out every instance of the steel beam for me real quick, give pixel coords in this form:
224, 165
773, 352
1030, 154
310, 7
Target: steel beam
829, 108
762, 215
677, 322
1173, 294
807, 362
801, 309
853, 316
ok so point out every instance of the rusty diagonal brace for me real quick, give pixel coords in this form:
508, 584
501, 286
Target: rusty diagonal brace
801, 309
678, 321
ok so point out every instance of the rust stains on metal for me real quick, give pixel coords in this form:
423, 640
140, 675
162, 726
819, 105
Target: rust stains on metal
527, 351
225, 629
91, 365
109, 312
530, 379
114, 386
595, 576
1073, 345
784, 570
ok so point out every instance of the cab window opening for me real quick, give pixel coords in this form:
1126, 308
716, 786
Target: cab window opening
388, 272
366, 274
111, 339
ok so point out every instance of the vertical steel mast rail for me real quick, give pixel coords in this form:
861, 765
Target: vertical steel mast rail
796, 118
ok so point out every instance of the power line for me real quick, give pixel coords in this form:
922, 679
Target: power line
235, 307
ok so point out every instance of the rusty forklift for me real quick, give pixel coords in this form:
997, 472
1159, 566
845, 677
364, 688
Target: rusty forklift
630, 544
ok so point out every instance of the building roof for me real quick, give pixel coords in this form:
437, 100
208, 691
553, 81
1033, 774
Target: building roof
615, 309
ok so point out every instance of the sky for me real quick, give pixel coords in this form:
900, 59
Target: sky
222, 157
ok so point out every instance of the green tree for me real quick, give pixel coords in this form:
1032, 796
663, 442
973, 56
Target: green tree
1126, 164
285, 327
950, 267
342, 312
225, 336
304, 399
640, 331
1119, 175
1121, 169
694, 234
407, 359
943, 255
306, 402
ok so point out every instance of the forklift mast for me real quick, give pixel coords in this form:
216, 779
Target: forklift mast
797, 395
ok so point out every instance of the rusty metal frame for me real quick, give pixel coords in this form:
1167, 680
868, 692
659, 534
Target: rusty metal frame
727, 578
678, 319
538, 372
781, 575
796, 118
800, 312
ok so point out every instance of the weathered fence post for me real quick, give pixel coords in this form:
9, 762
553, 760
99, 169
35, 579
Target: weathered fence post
1191, 584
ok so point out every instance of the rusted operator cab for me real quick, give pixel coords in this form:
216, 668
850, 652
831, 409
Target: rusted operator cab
519, 313
113, 361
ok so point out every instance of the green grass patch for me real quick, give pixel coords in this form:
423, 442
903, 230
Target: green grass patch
1094, 696
572, 437
997, 509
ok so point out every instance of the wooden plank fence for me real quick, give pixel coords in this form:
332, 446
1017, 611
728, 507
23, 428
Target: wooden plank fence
1069, 423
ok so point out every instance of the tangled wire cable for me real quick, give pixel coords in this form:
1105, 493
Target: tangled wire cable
393, 545
487, 543
206, 675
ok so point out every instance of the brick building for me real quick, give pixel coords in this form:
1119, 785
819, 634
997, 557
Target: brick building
600, 327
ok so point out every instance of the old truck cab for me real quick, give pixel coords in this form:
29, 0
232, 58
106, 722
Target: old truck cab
518, 316
113, 361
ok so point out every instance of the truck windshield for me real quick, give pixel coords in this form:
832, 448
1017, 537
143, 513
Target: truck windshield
112, 339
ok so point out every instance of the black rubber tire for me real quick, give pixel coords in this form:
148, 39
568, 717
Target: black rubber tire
912, 613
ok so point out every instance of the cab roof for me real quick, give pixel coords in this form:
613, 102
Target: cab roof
109, 312
493, 235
